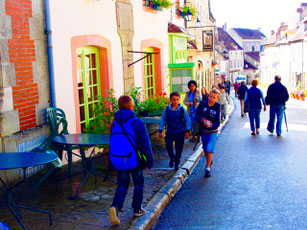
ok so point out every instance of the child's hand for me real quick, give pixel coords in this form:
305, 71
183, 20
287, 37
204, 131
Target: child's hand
159, 135
187, 135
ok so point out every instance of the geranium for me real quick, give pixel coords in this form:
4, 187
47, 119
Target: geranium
155, 103
302, 93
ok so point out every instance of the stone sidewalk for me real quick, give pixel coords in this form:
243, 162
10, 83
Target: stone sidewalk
91, 210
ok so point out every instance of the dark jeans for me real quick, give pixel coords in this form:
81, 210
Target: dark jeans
123, 179
278, 111
179, 141
254, 117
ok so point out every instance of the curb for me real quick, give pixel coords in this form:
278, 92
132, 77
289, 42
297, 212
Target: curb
163, 197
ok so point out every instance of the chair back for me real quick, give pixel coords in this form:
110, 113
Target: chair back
57, 121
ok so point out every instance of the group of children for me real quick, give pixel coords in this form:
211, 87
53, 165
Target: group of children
133, 136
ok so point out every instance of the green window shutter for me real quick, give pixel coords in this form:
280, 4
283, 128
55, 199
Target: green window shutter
149, 74
89, 86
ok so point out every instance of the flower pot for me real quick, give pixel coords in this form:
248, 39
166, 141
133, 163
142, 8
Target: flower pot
151, 113
297, 97
302, 98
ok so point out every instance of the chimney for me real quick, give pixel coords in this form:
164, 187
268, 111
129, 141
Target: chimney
225, 26
259, 29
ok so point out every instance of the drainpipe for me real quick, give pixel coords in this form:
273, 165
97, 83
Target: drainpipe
50, 53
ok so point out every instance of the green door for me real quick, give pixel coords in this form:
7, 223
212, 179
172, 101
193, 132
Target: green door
88, 82
149, 72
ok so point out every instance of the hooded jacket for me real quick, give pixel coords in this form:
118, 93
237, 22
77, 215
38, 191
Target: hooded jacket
142, 140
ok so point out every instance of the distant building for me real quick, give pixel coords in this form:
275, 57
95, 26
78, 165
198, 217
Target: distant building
231, 52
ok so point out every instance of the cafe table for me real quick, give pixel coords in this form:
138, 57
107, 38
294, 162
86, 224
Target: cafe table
15, 160
83, 140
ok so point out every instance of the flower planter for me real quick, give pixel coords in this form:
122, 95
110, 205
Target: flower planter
302, 98
151, 113
297, 97
156, 6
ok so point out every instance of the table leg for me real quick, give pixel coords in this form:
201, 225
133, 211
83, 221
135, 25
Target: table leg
9, 203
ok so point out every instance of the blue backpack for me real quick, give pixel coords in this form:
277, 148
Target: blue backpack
123, 153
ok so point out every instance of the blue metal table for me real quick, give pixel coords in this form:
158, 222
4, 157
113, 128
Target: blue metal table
81, 140
22, 160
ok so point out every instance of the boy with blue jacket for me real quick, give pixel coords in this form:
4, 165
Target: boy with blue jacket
143, 145
176, 118
208, 115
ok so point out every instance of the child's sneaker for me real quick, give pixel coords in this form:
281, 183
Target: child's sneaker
113, 216
141, 212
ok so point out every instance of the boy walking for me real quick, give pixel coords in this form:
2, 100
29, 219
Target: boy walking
176, 118
223, 101
208, 115
129, 139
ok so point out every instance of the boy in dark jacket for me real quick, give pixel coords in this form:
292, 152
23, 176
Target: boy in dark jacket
142, 143
208, 115
241, 95
175, 117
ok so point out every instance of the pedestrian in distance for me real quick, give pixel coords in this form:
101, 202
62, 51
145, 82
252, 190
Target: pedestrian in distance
253, 98
276, 98
235, 87
176, 118
241, 95
204, 94
130, 154
191, 100
227, 87
208, 115
223, 101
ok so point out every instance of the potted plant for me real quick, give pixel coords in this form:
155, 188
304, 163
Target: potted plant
187, 10
302, 95
154, 106
160, 4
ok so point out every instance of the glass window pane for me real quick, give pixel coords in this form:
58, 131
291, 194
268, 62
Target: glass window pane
95, 88
90, 94
88, 79
94, 75
82, 113
81, 96
87, 61
93, 60
79, 62
91, 111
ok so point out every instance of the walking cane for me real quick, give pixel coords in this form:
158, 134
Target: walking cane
286, 119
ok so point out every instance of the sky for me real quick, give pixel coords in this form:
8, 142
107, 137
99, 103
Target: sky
266, 14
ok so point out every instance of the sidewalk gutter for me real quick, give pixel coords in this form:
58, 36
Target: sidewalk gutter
164, 196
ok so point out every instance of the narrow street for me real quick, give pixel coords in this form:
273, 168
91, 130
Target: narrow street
257, 182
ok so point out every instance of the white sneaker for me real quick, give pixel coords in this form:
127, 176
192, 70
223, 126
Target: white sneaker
113, 216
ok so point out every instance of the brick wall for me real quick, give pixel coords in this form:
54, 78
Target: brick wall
22, 54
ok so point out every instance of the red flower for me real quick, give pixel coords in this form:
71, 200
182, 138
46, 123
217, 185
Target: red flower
93, 127
164, 93
158, 100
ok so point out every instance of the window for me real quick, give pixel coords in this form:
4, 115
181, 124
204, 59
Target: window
88, 82
149, 72
207, 40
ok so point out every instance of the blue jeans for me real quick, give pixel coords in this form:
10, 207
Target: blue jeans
123, 179
278, 111
178, 138
209, 141
254, 117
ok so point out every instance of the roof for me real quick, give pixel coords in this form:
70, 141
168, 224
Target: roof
254, 55
172, 28
249, 34
298, 36
271, 40
227, 41
248, 65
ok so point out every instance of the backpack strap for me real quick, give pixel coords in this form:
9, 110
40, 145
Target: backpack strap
126, 134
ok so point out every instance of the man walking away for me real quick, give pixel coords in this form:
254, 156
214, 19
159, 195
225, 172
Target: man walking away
130, 153
241, 95
277, 95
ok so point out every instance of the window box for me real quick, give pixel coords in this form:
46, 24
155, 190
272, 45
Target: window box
158, 4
